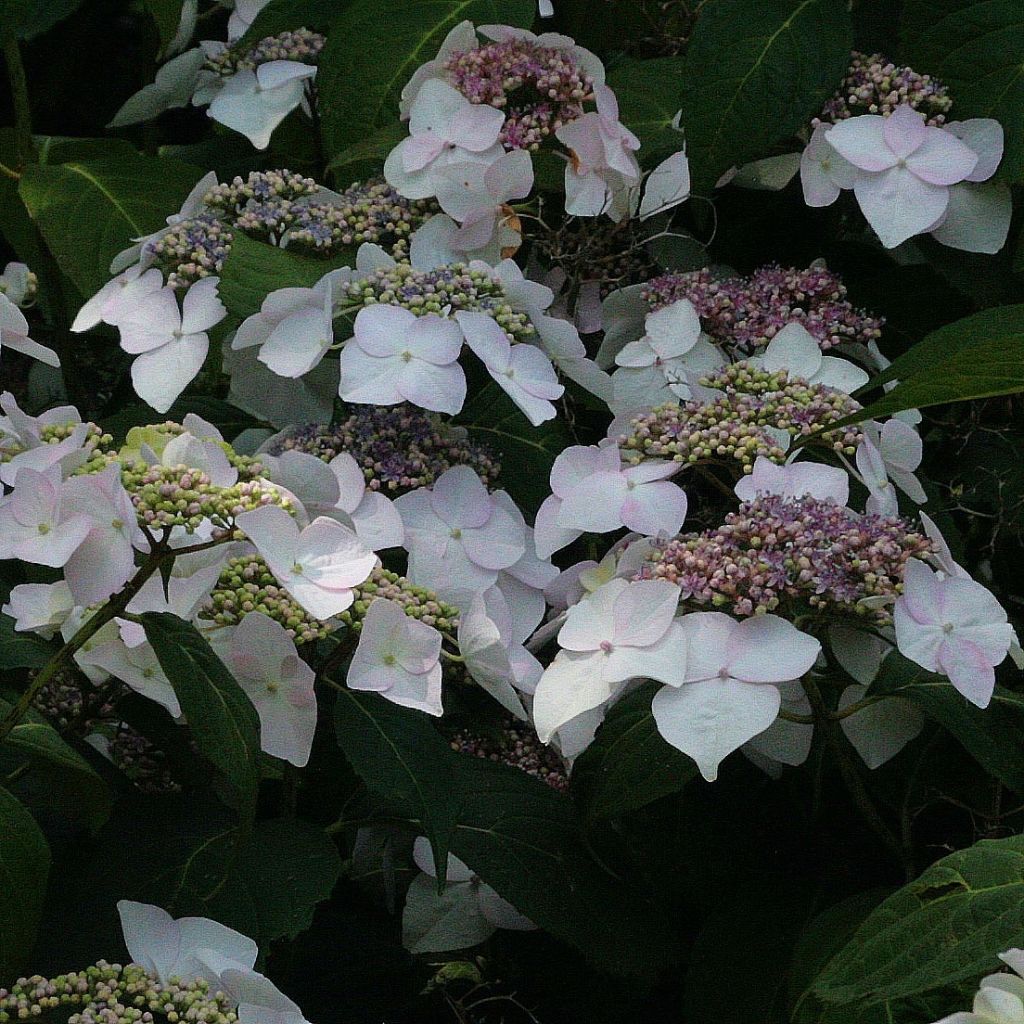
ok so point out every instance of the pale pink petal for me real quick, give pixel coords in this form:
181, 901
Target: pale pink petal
379, 330
861, 141
968, 670
898, 204
942, 158
904, 130
769, 649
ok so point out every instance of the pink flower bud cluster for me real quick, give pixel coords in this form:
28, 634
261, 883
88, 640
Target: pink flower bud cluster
732, 427
113, 994
747, 312
516, 745
247, 585
540, 88
874, 85
794, 551
455, 287
417, 602
302, 46
398, 448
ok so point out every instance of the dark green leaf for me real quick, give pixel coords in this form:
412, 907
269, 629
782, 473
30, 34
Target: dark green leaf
167, 15
650, 94
527, 452
22, 650
223, 720
373, 48
519, 835
55, 768
24, 869
366, 157
628, 765
756, 72
229, 419
285, 15
290, 866
948, 925
26, 19
993, 736
254, 269
974, 47
89, 211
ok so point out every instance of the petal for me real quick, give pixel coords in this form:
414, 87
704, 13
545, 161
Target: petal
709, 720
501, 913
861, 141
904, 130
667, 185
942, 159
644, 611
379, 330
985, 137
436, 388
898, 204
977, 218
298, 343
459, 498
654, 509
795, 350
674, 329
433, 923
434, 339
548, 535
368, 379
161, 375
879, 731
570, 685
769, 649
968, 670
151, 935
594, 505
201, 308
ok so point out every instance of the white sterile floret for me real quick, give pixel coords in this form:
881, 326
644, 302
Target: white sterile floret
886, 456
725, 695
794, 480
624, 630
953, 626
318, 566
263, 659
398, 657
395, 356
795, 351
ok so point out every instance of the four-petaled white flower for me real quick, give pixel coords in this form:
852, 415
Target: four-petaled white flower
905, 168
725, 695
624, 630
398, 657
254, 102
595, 493
795, 350
458, 536
886, 456
39, 607
793, 480
445, 129
263, 659
318, 566
522, 371
117, 298
34, 524
464, 914
953, 626
170, 344
395, 356
823, 172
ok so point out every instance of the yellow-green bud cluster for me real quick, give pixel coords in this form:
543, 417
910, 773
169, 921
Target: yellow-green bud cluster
417, 602
456, 287
247, 585
166, 496
114, 994
97, 444
732, 427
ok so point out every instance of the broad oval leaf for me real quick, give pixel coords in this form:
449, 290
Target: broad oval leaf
374, 47
948, 925
756, 72
223, 720
88, 211
628, 765
24, 869
650, 94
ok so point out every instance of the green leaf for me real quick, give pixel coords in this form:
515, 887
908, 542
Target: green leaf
947, 926
527, 452
285, 15
56, 770
24, 869
756, 72
650, 94
223, 720
993, 736
519, 835
373, 48
974, 47
22, 650
89, 211
167, 15
366, 157
628, 765
291, 866
27, 19
254, 269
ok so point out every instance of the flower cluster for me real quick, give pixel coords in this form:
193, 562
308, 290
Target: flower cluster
246, 585
757, 413
458, 287
874, 85
114, 994
301, 46
745, 313
398, 448
284, 209
539, 88
516, 745
776, 549
418, 603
